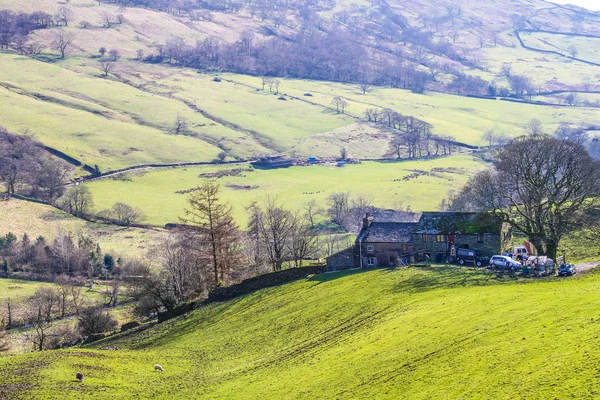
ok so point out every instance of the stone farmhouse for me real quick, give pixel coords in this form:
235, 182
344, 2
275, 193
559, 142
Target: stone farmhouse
436, 237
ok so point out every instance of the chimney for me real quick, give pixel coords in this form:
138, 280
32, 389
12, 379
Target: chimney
367, 221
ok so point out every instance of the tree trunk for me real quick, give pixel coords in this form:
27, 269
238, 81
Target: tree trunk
551, 249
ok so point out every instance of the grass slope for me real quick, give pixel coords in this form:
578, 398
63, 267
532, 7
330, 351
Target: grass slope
20, 217
419, 184
417, 333
466, 119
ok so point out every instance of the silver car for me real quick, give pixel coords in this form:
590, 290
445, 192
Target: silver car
504, 262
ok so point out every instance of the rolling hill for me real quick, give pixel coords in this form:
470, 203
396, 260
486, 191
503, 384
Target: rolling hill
127, 118
419, 333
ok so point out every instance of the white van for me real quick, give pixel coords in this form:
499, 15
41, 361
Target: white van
520, 252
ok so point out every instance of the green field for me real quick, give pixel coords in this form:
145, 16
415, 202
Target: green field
17, 289
23, 217
461, 117
125, 120
417, 333
427, 183
587, 47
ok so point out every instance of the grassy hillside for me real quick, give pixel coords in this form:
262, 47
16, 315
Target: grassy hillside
20, 217
461, 117
126, 118
413, 333
419, 184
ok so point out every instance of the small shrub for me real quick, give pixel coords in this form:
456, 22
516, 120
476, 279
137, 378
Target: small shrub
95, 320
130, 325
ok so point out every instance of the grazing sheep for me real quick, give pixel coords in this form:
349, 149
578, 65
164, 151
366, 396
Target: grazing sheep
157, 367
79, 377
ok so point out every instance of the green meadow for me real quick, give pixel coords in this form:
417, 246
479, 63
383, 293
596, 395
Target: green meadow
420, 185
463, 118
127, 118
415, 333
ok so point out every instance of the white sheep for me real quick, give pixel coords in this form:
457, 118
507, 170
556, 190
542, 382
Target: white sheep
158, 367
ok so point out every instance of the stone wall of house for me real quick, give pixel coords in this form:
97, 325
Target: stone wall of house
341, 261
492, 244
387, 254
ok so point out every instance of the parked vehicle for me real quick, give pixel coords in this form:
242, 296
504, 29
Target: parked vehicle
541, 265
469, 257
567, 270
505, 262
520, 253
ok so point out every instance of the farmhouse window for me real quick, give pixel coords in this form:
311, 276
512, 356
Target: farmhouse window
441, 238
480, 238
370, 248
425, 237
370, 261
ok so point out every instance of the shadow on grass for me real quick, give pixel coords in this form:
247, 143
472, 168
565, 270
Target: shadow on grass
426, 278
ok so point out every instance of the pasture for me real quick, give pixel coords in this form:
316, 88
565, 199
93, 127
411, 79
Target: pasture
23, 217
420, 185
419, 333
463, 118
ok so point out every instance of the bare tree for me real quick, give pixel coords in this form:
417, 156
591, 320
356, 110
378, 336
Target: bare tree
573, 51
62, 42
78, 300
571, 99
276, 226
9, 312
64, 15
125, 215
507, 70
107, 66
180, 126
490, 137
112, 293
107, 19
4, 346
365, 87
343, 153
339, 104
114, 54
63, 290
185, 270
302, 242
339, 206
311, 212
77, 200
534, 127
265, 81
541, 186
42, 329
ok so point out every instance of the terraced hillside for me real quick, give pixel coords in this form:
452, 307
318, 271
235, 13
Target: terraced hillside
413, 333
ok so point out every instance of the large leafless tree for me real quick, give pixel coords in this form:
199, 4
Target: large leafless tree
542, 187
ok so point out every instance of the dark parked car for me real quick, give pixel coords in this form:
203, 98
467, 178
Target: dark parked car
567, 270
469, 257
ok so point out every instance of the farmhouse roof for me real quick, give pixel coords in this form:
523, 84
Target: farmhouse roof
387, 232
465, 223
